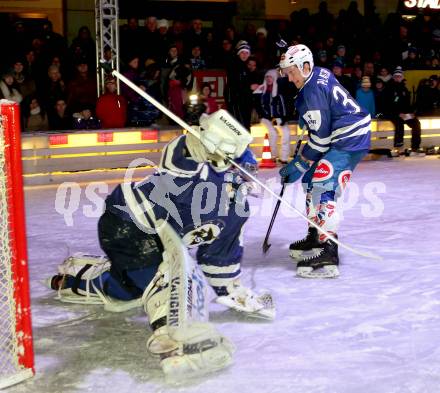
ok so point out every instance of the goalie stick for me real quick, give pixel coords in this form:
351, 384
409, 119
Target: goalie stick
187, 127
266, 244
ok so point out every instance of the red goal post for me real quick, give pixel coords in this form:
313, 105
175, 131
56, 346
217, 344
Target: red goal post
16, 352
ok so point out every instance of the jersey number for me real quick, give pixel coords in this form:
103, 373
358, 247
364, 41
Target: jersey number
340, 93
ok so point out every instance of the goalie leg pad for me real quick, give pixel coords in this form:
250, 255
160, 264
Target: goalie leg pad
176, 304
201, 350
178, 292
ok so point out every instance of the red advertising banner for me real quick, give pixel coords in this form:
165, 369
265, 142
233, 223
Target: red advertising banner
217, 80
58, 139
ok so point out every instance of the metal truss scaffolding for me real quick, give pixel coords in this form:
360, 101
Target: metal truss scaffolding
107, 37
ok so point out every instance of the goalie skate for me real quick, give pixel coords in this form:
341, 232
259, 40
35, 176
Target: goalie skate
244, 300
86, 267
323, 265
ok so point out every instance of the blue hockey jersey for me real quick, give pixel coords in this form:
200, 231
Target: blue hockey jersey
202, 205
332, 116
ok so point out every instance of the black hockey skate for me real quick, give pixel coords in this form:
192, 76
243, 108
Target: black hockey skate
322, 265
309, 243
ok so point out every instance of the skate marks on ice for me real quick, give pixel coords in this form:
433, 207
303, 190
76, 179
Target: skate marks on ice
88, 349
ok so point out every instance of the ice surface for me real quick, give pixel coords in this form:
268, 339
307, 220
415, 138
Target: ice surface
376, 329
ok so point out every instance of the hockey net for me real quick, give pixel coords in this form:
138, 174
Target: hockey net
16, 354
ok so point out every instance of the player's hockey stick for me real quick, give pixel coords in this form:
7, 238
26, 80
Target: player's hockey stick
266, 244
187, 127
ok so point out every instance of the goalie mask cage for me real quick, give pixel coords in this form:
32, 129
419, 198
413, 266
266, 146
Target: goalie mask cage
16, 353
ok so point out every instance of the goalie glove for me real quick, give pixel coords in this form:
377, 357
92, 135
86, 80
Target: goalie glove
200, 154
224, 135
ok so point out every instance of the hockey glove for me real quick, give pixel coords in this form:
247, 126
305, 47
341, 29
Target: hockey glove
247, 158
294, 170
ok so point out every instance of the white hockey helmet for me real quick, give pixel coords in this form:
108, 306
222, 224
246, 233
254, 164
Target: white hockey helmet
297, 55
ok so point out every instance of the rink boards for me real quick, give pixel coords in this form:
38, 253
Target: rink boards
99, 155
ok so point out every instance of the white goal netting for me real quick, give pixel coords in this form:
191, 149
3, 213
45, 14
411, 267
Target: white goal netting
13, 368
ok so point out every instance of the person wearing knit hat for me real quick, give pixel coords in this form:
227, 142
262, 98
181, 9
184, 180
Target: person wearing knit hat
243, 46
365, 96
238, 93
366, 83
401, 113
398, 72
272, 111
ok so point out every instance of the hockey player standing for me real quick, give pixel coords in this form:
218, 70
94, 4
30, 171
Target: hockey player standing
194, 201
339, 137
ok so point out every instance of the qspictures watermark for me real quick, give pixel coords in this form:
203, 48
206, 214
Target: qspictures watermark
248, 199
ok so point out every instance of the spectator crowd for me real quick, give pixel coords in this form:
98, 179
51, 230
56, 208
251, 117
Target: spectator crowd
55, 83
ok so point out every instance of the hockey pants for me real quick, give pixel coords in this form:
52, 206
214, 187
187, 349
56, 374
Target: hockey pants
324, 184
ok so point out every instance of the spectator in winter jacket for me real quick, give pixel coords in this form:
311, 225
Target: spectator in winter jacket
23, 81
401, 113
225, 57
178, 83
238, 89
111, 107
322, 59
365, 96
84, 119
196, 60
356, 77
8, 88
382, 99
428, 96
35, 117
272, 111
82, 90
344, 80
412, 62
59, 117
54, 88
340, 55
171, 63
384, 74
132, 73
83, 47
369, 69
